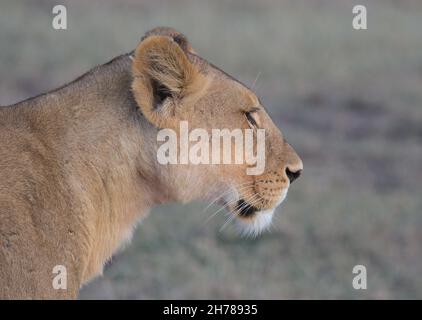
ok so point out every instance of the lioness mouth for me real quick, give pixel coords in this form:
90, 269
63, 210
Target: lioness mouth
245, 210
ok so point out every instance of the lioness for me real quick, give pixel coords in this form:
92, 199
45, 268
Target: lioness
78, 165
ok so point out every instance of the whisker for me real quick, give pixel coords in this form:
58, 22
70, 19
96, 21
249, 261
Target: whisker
217, 198
225, 206
224, 194
247, 189
214, 214
221, 195
229, 219
256, 80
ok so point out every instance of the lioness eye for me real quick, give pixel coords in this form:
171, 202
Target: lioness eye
251, 119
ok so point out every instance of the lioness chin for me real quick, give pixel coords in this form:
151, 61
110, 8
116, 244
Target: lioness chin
78, 165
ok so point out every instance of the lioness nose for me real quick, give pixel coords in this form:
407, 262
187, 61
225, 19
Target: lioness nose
293, 175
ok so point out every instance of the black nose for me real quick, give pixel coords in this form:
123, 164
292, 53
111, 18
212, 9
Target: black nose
293, 175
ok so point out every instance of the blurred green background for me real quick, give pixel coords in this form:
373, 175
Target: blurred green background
349, 101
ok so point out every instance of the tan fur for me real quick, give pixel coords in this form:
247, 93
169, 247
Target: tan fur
78, 165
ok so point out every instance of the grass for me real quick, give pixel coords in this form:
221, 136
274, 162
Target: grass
348, 101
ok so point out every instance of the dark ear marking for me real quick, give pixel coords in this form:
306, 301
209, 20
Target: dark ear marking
160, 92
181, 40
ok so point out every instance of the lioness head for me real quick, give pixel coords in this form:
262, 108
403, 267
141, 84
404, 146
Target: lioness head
171, 84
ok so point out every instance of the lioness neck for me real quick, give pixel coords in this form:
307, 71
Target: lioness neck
90, 136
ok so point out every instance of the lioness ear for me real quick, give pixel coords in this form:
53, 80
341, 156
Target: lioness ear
178, 37
163, 76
